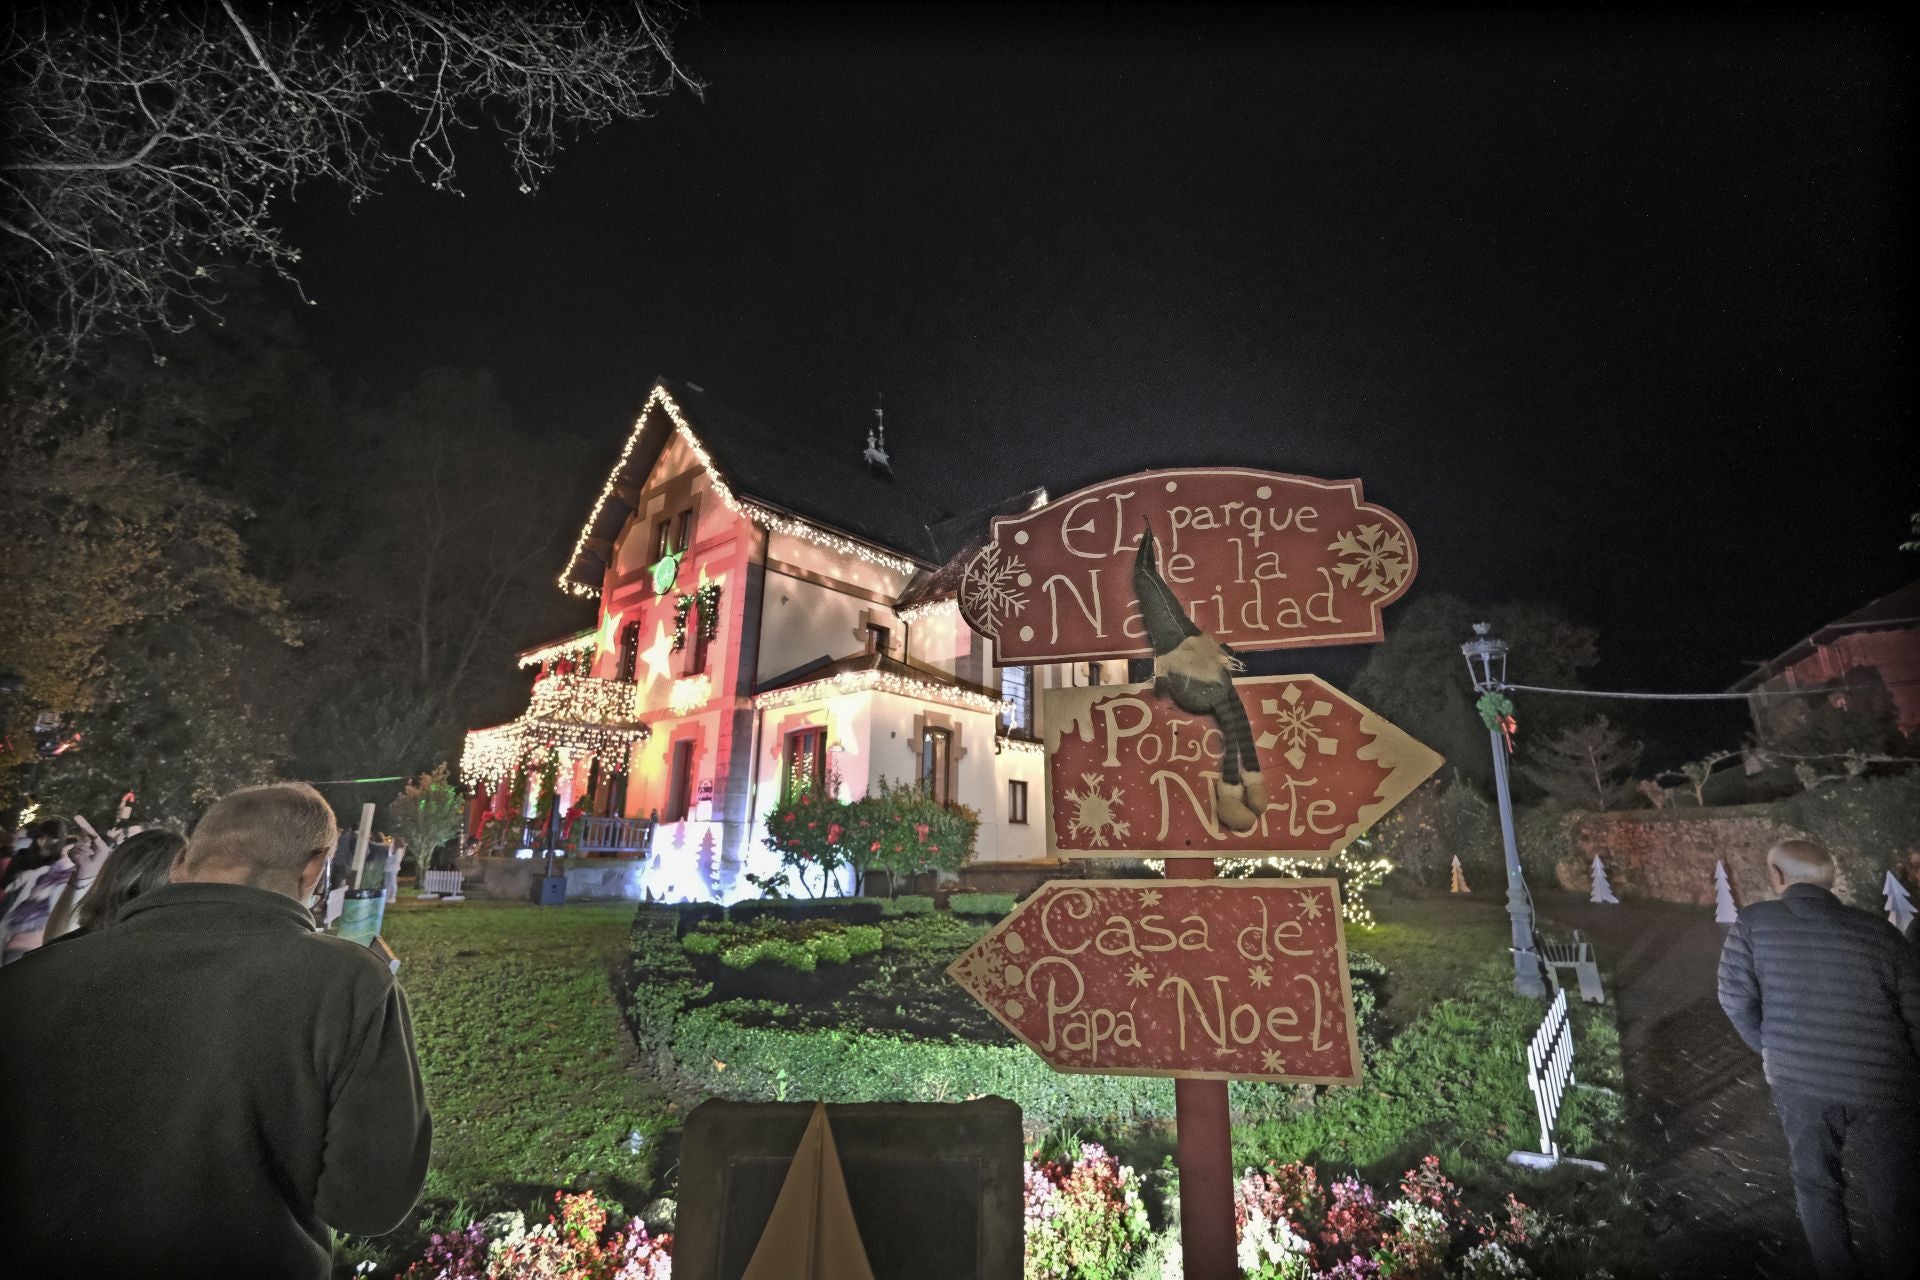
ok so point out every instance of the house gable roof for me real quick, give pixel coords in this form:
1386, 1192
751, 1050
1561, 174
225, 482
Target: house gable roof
769, 473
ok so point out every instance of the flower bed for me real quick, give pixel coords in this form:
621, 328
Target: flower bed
572, 1244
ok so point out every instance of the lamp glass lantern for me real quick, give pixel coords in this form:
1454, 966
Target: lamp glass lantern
1486, 656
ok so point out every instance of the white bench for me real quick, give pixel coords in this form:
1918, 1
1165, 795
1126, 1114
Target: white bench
442, 884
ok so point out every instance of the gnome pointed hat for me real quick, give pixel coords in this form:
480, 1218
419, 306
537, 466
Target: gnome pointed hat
1166, 622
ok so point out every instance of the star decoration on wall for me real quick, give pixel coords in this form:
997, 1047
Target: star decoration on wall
1138, 976
1259, 976
659, 655
609, 638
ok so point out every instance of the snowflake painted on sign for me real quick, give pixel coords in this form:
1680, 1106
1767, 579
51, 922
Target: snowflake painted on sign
1270, 1060
1296, 726
1310, 904
1259, 976
1139, 975
1373, 555
1096, 811
990, 589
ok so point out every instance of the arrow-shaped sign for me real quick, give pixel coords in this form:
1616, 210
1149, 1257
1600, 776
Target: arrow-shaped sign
1131, 774
1236, 979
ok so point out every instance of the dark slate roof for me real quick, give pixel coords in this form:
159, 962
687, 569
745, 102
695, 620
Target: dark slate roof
833, 487
1895, 611
823, 668
908, 511
965, 535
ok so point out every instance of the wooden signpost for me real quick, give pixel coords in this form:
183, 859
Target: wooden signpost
1132, 774
1258, 559
1240, 979
1190, 977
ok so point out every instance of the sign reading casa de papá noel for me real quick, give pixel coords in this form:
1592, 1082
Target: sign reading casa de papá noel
1258, 560
1233, 979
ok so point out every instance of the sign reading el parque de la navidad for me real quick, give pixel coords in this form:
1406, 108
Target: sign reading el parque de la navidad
1258, 559
1241, 979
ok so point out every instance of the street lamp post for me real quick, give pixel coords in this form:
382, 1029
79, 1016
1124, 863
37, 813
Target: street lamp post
1486, 657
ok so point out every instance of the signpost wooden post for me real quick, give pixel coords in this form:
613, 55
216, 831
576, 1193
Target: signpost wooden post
1190, 977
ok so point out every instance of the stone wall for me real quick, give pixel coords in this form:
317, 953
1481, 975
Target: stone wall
588, 879
1669, 854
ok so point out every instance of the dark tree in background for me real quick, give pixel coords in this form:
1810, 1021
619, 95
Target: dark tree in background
1417, 678
147, 141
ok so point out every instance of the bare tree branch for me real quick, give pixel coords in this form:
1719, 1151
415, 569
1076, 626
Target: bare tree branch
148, 142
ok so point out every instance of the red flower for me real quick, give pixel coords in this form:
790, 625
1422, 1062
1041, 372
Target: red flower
834, 832
920, 830
874, 847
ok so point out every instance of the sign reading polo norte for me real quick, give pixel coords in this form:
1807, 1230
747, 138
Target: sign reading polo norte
1241, 979
1133, 773
1258, 559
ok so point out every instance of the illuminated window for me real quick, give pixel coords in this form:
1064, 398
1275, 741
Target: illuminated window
1017, 802
936, 763
806, 762
1016, 686
680, 781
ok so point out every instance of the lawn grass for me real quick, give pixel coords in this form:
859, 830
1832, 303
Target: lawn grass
1431, 947
531, 1077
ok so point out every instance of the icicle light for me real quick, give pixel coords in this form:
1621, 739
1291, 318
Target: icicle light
884, 682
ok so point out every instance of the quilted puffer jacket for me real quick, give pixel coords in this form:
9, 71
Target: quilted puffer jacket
1829, 996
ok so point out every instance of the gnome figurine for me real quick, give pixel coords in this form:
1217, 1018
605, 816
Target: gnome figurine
1196, 671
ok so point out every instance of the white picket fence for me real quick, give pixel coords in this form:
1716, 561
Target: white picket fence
1549, 1076
441, 884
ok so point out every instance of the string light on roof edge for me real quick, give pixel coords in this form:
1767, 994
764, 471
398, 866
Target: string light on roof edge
929, 609
883, 682
1021, 746
581, 643
770, 520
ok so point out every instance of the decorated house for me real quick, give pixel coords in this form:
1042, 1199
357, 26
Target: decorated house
772, 617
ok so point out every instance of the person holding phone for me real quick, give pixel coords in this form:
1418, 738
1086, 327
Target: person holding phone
86, 854
235, 1084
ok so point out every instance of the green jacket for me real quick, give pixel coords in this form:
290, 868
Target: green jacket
203, 1089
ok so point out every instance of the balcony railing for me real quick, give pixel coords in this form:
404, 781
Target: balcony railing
613, 835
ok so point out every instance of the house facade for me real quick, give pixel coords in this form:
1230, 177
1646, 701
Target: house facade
770, 618
1868, 660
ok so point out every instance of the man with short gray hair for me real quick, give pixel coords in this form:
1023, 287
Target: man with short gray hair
1830, 998
209, 1085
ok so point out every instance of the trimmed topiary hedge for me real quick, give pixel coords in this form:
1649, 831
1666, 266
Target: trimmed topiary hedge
981, 904
714, 1054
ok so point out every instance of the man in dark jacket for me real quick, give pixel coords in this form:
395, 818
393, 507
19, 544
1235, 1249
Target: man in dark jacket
208, 1085
1830, 997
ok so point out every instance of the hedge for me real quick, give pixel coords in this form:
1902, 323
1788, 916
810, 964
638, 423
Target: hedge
981, 904
761, 1064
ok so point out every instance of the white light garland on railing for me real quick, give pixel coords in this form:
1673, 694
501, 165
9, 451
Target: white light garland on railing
566, 648
883, 682
584, 699
490, 755
689, 693
947, 606
772, 521
1021, 746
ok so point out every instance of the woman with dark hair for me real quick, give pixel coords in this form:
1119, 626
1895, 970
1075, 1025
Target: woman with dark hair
137, 864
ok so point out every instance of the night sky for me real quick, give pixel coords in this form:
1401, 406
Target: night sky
1611, 309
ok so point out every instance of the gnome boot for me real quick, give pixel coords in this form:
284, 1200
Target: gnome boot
1230, 806
1256, 786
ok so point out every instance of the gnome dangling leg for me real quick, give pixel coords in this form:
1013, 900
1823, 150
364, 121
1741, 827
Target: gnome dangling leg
1196, 671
